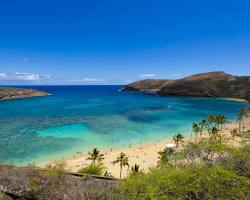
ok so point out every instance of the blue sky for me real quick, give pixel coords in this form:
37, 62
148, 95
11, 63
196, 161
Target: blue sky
119, 41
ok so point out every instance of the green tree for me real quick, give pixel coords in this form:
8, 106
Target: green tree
178, 139
203, 126
122, 160
135, 170
214, 133
95, 156
211, 120
196, 129
164, 157
221, 120
241, 119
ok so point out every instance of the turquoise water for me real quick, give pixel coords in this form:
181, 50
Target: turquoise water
78, 118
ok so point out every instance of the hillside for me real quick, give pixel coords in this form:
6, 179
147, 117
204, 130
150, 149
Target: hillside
211, 84
15, 93
29, 183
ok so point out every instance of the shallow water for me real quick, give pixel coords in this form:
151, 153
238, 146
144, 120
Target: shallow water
79, 118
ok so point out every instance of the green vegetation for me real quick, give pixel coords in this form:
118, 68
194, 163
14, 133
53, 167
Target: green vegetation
239, 161
164, 156
55, 170
212, 124
246, 136
94, 169
34, 184
95, 156
206, 169
135, 170
195, 129
178, 139
243, 113
122, 160
186, 182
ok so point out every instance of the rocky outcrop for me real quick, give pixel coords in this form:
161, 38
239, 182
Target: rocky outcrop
4, 196
211, 84
15, 93
30, 183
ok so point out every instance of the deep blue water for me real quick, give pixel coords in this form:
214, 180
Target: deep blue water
78, 118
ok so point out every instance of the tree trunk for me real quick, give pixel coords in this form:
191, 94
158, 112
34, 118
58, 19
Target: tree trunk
120, 171
243, 126
239, 126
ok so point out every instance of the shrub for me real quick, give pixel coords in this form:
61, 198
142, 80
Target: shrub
246, 135
57, 169
186, 183
94, 169
239, 161
34, 183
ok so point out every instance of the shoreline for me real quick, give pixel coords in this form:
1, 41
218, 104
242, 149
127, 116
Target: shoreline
145, 154
236, 99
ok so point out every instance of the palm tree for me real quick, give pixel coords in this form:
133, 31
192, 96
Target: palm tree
221, 120
95, 155
178, 139
135, 170
214, 133
122, 159
164, 156
211, 120
203, 125
241, 115
195, 129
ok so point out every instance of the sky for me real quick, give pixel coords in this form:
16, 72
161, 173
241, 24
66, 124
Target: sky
120, 41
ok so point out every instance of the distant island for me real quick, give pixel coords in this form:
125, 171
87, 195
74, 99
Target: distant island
211, 84
17, 93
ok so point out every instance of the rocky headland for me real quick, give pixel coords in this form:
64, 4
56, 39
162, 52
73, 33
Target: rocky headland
211, 84
16, 93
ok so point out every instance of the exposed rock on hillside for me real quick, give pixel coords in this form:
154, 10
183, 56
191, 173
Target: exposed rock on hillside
15, 93
211, 84
28, 183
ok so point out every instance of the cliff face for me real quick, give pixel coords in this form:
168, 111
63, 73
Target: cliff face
211, 84
15, 93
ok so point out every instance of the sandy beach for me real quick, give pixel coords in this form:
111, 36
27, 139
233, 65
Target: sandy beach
146, 155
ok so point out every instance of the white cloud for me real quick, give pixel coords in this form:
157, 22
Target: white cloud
45, 76
23, 76
2, 76
147, 75
26, 76
87, 80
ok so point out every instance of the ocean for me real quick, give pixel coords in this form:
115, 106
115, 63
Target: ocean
75, 119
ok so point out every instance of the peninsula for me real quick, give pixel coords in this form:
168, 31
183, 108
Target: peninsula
16, 93
211, 84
